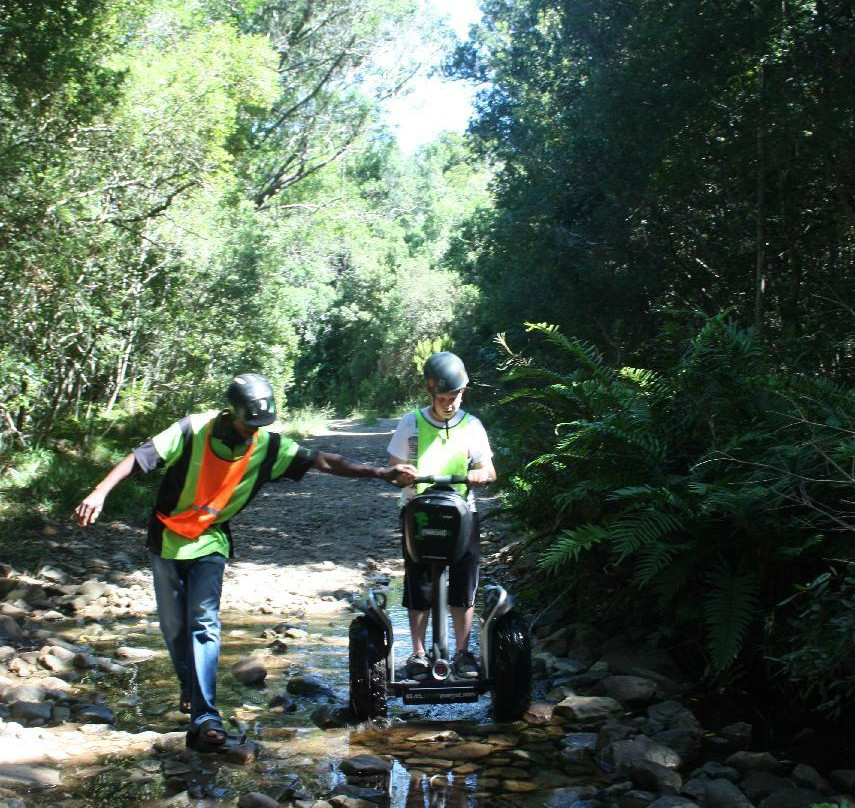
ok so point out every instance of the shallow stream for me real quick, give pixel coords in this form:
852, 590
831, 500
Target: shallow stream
448, 755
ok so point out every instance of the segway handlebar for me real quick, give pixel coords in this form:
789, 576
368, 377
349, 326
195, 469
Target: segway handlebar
442, 479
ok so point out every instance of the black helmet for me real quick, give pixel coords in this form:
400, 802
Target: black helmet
250, 398
444, 373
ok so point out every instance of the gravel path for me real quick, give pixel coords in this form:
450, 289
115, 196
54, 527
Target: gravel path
301, 545
312, 544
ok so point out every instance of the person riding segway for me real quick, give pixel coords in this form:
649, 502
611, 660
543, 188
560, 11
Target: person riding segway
441, 537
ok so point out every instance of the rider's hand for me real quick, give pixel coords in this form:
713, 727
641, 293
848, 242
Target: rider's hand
401, 474
478, 477
89, 510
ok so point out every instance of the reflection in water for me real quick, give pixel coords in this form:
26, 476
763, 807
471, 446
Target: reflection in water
444, 756
438, 791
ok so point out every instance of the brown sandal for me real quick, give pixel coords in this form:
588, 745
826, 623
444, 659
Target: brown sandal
211, 736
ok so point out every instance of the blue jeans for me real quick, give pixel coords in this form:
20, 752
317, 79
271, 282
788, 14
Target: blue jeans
188, 607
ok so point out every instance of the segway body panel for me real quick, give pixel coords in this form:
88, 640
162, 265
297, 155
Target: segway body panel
437, 526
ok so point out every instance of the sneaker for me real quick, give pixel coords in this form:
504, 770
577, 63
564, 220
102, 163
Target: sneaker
417, 667
465, 665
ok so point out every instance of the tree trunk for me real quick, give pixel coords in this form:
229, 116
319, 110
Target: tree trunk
761, 235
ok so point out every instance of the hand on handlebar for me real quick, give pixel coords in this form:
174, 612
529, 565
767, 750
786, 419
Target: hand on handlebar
477, 478
474, 478
401, 474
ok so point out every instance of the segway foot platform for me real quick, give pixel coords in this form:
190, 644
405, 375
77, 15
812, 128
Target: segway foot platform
428, 692
439, 687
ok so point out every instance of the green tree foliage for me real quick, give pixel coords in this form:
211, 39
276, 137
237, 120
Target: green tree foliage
384, 289
328, 55
90, 282
658, 157
702, 492
158, 160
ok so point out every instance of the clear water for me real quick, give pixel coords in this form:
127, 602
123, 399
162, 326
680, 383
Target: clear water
294, 746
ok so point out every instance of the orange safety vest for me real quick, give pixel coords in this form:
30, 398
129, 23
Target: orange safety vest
217, 481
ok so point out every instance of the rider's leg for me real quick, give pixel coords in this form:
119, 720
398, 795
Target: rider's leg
418, 629
417, 601
462, 585
461, 619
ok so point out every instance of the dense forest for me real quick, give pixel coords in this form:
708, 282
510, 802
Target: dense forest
642, 247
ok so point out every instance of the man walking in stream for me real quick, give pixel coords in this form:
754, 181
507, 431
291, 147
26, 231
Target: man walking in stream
216, 462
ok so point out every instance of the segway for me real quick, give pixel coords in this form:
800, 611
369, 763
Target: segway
436, 526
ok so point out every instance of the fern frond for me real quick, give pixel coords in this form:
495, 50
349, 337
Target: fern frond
674, 578
570, 545
729, 611
650, 496
637, 529
652, 560
651, 383
538, 373
632, 493
583, 352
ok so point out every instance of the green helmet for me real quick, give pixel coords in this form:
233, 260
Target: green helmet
250, 398
445, 373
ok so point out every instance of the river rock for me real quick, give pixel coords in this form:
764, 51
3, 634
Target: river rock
736, 735
94, 714
92, 590
686, 743
343, 801
671, 714
9, 628
283, 702
565, 797
241, 754
843, 779
624, 754
31, 713
255, 799
759, 785
332, 716
654, 777
755, 762
471, 750
250, 670
29, 691
808, 777
309, 685
37, 777
716, 794
633, 691
54, 687
588, 711
366, 764
792, 797
713, 770
130, 654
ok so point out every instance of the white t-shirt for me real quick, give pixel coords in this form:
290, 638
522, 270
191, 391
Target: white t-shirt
404, 443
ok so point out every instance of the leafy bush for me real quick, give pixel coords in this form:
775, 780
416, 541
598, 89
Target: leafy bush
699, 493
818, 660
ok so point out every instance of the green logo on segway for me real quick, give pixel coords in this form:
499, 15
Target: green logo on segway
421, 520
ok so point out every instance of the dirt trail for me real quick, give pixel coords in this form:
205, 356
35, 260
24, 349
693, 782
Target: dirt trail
323, 537
312, 544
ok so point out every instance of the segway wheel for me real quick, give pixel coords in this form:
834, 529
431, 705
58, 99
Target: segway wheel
511, 667
368, 669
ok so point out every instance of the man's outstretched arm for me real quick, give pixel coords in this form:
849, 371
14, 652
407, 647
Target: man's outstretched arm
400, 474
93, 503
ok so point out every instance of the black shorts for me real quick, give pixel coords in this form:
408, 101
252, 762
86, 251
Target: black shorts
462, 577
